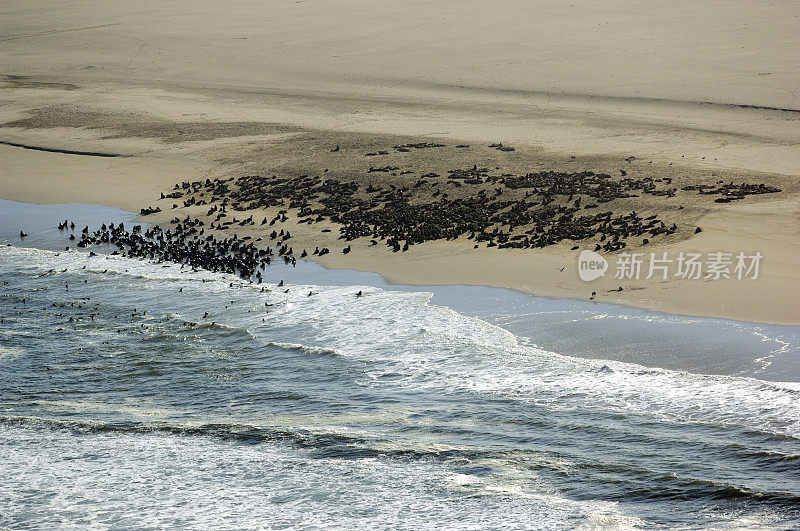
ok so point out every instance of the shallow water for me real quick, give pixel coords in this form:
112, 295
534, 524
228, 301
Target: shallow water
121, 405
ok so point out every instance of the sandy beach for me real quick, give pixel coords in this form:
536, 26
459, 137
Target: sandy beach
713, 96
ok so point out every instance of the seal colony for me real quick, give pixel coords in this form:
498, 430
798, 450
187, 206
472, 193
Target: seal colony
400, 206
407, 207
404, 206
319, 193
186, 244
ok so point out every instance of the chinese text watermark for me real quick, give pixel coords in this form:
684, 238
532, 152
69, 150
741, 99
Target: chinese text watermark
662, 266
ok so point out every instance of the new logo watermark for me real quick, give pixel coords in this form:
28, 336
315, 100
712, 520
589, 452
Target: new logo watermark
591, 265
692, 266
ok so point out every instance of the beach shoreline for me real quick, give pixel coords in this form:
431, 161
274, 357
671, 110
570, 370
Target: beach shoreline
350, 265
538, 274
159, 150
192, 362
621, 333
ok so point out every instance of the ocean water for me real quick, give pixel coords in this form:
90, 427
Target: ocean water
122, 404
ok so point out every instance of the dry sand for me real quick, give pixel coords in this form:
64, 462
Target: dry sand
188, 91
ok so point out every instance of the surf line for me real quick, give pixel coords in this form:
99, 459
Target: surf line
65, 151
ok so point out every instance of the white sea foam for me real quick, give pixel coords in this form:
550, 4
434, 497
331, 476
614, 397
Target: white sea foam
199, 483
442, 349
